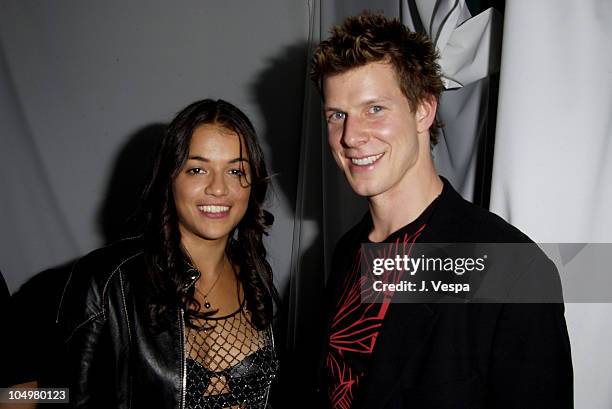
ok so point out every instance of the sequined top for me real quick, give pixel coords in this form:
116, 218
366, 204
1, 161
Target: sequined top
230, 364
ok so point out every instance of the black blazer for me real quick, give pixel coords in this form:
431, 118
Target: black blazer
462, 356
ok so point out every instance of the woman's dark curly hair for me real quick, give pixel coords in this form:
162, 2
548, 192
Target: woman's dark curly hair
370, 37
165, 258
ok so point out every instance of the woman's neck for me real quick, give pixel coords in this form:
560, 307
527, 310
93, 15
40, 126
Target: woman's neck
208, 256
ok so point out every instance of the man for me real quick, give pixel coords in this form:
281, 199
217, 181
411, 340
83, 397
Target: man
380, 85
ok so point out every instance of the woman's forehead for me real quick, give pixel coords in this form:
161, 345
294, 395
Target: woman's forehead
216, 142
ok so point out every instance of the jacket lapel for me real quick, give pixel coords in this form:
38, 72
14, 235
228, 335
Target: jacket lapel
404, 333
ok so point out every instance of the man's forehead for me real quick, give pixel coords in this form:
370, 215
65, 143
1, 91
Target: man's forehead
378, 69
361, 85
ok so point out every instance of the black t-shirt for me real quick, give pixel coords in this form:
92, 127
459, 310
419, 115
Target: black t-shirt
355, 325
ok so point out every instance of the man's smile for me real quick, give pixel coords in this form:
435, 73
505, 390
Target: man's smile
367, 160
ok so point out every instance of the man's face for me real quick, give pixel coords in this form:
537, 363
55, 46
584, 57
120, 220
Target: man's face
372, 132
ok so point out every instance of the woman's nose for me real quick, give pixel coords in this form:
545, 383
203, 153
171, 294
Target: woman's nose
217, 185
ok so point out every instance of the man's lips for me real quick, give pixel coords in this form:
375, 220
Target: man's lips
366, 160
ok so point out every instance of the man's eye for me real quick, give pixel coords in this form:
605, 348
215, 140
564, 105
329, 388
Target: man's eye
375, 109
337, 116
196, 171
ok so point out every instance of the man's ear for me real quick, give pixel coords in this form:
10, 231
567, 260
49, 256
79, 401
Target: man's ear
426, 113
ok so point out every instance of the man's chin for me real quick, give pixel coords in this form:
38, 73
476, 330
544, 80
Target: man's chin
364, 189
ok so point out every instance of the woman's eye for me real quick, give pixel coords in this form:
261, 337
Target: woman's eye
236, 172
337, 116
375, 109
196, 171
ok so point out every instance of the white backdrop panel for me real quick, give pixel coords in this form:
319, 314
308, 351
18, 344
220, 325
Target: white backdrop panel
552, 172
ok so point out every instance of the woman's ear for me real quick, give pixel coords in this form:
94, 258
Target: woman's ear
426, 113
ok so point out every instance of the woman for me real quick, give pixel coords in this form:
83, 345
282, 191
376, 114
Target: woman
181, 317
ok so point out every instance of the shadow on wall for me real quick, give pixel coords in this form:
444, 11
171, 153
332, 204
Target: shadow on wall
279, 90
118, 216
34, 348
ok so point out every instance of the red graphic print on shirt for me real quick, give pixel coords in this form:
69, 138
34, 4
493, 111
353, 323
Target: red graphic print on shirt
355, 325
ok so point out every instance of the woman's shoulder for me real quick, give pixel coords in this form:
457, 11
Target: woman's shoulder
102, 264
94, 275
114, 254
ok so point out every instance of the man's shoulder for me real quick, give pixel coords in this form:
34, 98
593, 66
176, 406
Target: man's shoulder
346, 248
349, 242
458, 220
482, 225
453, 220
352, 235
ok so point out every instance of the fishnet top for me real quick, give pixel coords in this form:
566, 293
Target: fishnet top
230, 364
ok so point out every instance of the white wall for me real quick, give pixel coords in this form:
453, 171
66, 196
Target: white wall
79, 78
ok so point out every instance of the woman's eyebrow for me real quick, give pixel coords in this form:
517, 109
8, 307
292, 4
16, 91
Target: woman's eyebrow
238, 160
197, 157
203, 159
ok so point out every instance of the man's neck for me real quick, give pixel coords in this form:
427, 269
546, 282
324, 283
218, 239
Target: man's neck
404, 203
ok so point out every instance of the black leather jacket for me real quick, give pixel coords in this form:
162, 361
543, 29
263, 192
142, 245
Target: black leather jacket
115, 358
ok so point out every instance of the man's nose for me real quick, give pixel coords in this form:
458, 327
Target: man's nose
217, 185
353, 134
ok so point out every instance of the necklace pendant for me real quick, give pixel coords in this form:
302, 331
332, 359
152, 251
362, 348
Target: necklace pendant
206, 304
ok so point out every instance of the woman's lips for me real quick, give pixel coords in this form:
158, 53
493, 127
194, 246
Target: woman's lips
214, 211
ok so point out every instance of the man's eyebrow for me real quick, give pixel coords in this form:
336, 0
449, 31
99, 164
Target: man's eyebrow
376, 100
331, 108
369, 101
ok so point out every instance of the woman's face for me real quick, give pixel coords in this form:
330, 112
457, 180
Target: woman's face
211, 192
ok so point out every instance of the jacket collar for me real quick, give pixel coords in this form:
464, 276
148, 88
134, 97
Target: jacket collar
445, 223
